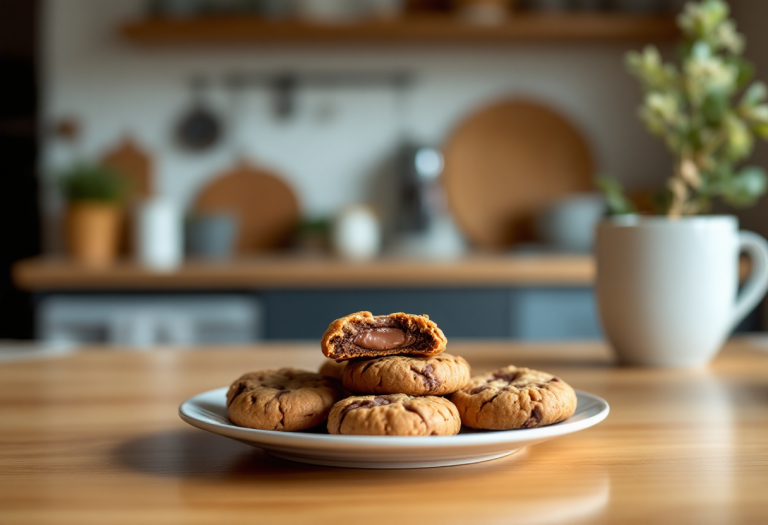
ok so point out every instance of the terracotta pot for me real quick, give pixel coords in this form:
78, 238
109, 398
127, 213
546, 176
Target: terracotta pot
92, 232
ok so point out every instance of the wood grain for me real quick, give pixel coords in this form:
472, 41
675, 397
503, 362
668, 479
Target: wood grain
94, 438
312, 272
416, 29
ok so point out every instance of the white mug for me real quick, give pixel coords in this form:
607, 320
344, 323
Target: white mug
667, 288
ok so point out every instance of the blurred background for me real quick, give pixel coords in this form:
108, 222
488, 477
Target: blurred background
222, 171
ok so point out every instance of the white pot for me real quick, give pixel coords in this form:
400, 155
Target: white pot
159, 235
356, 234
667, 289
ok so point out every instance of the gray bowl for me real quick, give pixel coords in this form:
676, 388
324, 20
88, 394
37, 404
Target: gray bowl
211, 235
569, 224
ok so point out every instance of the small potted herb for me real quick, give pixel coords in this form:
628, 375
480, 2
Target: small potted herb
94, 195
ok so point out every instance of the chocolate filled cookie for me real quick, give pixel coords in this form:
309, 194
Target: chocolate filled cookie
364, 335
415, 376
512, 398
331, 368
394, 415
286, 399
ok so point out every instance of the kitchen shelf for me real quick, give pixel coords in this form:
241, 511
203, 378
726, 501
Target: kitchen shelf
290, 271
586, 27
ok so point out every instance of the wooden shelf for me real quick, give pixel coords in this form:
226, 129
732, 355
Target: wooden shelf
425, 29
312, 272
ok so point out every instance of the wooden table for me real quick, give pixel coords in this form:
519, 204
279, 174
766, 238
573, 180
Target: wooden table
94, 438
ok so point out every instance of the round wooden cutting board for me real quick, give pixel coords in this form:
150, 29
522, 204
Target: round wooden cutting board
265, 207
506, 162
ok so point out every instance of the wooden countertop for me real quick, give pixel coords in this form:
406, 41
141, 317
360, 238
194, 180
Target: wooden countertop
286, 271
95, 438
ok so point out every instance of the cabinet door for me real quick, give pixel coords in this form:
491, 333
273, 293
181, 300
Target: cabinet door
553, 313
460, 313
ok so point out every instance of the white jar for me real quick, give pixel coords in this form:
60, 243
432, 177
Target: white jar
159, 238
356, 233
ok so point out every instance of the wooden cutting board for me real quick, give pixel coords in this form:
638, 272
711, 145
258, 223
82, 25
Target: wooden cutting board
264, 206
507, 161
134, 164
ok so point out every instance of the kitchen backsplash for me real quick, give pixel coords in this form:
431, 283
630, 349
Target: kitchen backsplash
339, 139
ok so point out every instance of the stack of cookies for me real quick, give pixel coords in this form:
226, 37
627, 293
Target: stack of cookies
387, 375
397, 362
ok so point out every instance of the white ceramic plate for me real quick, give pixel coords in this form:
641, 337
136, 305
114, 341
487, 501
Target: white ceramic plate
208, 411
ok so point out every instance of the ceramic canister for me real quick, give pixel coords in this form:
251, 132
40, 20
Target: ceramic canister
159, 234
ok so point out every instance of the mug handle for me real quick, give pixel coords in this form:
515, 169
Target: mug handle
757, 283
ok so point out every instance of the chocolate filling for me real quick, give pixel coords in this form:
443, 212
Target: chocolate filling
377, 333
383, 339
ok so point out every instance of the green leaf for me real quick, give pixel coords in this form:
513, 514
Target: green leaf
700, 19
755, 94
701, 50
617, 202
761, 130
745, 187
714, 108
85, 182
745, 71
739, 139
662, 201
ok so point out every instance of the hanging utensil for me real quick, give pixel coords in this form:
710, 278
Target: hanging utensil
199, 129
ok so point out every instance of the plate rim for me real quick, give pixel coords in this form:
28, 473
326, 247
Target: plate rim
304, 439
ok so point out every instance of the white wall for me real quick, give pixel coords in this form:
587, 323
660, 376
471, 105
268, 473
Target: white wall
114, 88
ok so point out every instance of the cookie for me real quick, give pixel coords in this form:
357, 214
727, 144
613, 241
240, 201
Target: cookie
331, 368
514, 398
415, 376
394, 415
286, 399
364, 335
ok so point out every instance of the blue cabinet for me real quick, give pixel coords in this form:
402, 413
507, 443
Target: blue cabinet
462, 313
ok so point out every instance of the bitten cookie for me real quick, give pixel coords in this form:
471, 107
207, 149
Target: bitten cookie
415, 376
286, 399
364, 335
331, 368
394, 415
514, 398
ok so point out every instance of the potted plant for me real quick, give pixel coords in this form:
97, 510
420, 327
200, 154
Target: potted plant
92, 219
667, 284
